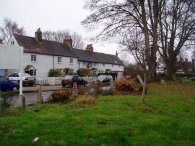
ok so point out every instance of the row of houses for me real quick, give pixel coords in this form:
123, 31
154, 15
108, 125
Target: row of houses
42, 55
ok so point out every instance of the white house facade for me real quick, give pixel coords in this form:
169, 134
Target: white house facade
42, 55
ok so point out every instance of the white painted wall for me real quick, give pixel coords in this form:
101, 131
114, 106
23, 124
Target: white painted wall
10, 57
66, 63
102, 67
115, 68
46, 62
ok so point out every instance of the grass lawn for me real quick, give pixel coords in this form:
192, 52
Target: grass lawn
167, 119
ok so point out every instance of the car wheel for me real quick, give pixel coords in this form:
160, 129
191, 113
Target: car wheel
31, 84
14, 88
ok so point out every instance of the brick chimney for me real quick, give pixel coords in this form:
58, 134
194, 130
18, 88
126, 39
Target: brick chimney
68, 41
116, 53
89, 48
38, 35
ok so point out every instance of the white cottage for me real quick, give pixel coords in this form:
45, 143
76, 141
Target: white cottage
42, 55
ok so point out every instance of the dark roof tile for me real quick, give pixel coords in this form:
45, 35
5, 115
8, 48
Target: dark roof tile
31, 45
45, 47
88, 56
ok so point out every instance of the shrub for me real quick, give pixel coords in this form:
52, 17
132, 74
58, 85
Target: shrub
81, 90
54, 73
124, 85
85, 100
83, 72
60, 96
127, 86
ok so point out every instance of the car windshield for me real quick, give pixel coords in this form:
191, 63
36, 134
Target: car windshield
101, 77
25, 74
68, 77
2, 79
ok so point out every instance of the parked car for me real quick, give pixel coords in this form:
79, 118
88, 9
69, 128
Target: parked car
70, 79
104, 78
7, 85
192, 79
26, 78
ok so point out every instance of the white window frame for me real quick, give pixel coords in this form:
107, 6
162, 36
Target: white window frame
12, 42
33, 58
59, 59
71, 60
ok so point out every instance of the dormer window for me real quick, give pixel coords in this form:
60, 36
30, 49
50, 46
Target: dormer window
12, 42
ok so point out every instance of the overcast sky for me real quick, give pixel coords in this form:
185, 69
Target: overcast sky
51, 15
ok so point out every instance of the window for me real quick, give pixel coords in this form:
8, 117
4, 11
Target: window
59, 59
112, 65
12, 42
84, 63
71, 60
103, 64
33, 58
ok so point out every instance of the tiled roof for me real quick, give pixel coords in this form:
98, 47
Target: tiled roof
88, 56
31, 45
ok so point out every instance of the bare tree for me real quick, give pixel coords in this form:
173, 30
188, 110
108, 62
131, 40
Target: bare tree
119, 19
8, 28
177, 28
59, 36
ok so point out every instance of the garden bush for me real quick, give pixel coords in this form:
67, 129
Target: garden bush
81, 90
54, 73
127, 86
83, 72
60, 96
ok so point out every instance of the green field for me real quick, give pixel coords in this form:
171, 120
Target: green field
166, 119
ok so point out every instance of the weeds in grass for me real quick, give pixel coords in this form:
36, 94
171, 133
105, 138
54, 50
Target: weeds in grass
85, 100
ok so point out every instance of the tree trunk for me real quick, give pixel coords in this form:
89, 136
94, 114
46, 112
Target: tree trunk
170, 69
142, 99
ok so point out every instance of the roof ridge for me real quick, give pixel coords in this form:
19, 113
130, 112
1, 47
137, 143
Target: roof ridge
34, 38
95, 52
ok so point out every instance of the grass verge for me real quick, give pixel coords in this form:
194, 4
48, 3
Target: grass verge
166, 119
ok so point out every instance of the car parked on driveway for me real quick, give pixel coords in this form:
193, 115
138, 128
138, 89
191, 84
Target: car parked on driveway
105, 78
7, 85
26, 78
70, 79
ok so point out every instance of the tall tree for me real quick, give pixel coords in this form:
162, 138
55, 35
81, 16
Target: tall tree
119, 19
177, 28
9, 27
59, 36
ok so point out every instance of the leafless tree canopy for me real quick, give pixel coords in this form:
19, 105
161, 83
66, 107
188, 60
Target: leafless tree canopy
163, 25
8, 28
177, 30
59, 36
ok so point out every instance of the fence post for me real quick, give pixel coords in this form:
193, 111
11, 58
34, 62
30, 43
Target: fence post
75, 90
1, 106
23, 100
39, 98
